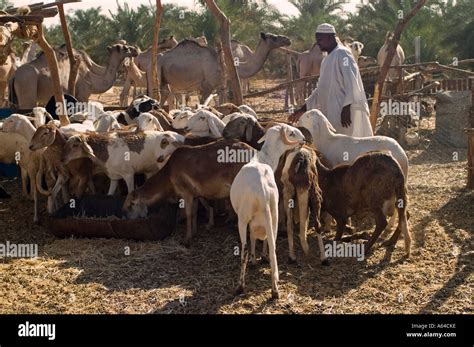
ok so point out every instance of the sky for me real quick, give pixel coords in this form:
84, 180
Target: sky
282, 5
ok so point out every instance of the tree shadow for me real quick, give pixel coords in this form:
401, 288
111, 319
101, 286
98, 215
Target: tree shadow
457, 213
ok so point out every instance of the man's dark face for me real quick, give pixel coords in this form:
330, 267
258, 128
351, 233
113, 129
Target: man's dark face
325, 41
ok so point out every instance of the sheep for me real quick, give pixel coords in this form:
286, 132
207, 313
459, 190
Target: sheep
122, 155
343, 149
205, 123
297, 176
18, 131
374, 181
79, 171
234, 115
74, 128
254, 197
22, 131
191, 172
140, 104
245, 128
106, 122
147, 121
181, 118
247, 110
227, 108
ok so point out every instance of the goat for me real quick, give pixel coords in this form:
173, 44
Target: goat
343, 149
254, 197
374, 181
245, 128
297, 177
190, 172
205, 123
122, 155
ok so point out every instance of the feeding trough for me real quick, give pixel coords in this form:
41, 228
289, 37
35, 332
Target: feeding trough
101, 216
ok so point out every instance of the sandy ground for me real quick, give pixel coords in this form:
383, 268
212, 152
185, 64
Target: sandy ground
96, 276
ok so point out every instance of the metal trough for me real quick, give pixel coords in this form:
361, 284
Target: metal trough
101, 216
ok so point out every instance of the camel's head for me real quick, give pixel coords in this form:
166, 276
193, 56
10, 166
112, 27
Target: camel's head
168, 43
123, 51
275, 41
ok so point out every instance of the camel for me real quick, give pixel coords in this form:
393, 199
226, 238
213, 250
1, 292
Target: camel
31, 83
136, 67
242, 53
398, 58
6, 71
308, 63
29, 52
190, 66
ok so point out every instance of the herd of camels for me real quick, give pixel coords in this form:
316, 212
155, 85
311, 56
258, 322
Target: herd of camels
183, 67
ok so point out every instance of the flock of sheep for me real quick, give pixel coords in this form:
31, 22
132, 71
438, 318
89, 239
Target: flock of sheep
309, 165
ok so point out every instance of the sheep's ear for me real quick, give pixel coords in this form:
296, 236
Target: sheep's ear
361, 46
88, 149
248, 131
263, 36
213, 127
157, 124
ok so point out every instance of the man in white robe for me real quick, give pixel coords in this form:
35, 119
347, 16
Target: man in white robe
340, 94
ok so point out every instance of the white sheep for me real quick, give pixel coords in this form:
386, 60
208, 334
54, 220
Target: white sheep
147, 121
181, 118
235, 115
343, 149
205, 123
247, 110
254, 197
106, 122
21, 129
87, 125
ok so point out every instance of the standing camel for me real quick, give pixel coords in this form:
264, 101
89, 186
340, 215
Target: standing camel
31, 84
191, 67
398, 58
136, 67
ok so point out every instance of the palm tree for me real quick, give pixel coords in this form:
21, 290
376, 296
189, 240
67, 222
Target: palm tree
312, 13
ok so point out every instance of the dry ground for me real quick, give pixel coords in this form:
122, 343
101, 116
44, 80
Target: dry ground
95, 275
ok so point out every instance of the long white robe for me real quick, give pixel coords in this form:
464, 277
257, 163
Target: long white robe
340, 85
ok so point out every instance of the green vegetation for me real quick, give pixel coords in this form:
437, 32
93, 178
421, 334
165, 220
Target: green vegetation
446, 27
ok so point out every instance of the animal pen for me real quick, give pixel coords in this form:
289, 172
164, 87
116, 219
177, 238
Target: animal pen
94, 259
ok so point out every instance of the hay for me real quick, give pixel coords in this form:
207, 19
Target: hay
96, 276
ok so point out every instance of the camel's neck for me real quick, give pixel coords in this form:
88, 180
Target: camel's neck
100, 83
255, 61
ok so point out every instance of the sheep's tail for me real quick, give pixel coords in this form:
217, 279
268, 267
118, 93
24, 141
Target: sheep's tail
39, 179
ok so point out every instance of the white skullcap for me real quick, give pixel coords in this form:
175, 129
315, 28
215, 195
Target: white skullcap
325, 28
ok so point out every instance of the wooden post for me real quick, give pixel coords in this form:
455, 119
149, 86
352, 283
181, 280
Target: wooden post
155, 87
375, 108
417, 42
53, 67
290, 78
470, 158
229, 61
74, 65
